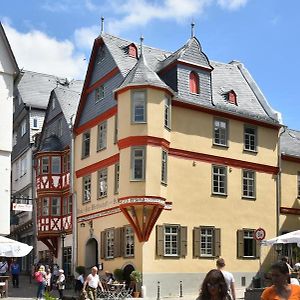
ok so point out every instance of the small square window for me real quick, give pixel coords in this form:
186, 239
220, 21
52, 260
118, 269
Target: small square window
99, 93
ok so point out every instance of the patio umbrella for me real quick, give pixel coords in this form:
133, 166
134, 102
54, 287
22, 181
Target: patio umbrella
288, 238
12, 248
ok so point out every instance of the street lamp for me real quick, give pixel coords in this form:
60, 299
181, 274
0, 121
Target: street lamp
63, 236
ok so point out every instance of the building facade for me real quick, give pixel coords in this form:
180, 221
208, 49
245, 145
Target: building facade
176, 161
53, 178
8, 72
31, 96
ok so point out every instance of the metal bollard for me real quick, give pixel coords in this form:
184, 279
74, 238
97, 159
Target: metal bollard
180, 289
158, 290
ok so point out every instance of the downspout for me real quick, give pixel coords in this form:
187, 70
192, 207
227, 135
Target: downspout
278, 181
74, 200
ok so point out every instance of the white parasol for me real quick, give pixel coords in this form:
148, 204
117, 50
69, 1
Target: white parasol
288, 238
12, 248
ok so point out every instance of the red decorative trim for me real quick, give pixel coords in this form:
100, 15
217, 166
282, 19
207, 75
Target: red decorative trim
92, 123
185, 63
102, 80
290, 158
137, 87
97, 43
223, 114
223, 161
98, 165
143, 140
289, 211
99, 214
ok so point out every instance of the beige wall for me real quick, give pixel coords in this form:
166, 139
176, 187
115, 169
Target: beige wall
289, 195
193, 131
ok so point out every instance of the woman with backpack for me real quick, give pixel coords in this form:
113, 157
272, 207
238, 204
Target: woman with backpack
40, 277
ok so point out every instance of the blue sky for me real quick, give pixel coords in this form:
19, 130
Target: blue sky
55, 37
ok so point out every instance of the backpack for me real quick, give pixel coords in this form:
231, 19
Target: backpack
38, 277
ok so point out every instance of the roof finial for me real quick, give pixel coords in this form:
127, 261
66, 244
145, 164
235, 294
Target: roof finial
192, 29
102, 24
141, 45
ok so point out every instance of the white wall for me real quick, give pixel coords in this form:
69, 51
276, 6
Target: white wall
5, 192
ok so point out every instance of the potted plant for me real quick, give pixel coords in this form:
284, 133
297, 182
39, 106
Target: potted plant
136, 276
119, 275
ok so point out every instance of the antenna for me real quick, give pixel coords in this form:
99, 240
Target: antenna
192, 29
141, 45
102, 24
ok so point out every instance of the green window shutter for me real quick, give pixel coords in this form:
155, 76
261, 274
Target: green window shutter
160, 240
117, 242
217, 242
240, 243
122, 241
257, 248
102, 243
183, 241
196, 242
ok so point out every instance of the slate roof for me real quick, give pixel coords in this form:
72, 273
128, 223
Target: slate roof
68, 97
198, 57
290, 142
225, 77
35, 88
141, 74
51, 143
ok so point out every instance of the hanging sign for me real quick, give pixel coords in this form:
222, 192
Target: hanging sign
22, 207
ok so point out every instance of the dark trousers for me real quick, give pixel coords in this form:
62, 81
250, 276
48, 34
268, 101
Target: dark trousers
15, 280
61, 293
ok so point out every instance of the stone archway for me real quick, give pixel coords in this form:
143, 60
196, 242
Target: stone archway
91, 253
127, 271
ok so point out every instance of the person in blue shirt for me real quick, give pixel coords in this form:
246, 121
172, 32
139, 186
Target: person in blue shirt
15, 272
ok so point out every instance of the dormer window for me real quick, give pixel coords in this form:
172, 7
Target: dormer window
231, 97
194, 83
132, 50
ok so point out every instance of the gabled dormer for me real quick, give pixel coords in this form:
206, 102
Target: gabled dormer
231, 97
188, 72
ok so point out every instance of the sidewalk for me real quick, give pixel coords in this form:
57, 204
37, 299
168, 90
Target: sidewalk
28, 288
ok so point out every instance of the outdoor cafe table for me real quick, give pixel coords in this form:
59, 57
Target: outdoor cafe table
4, 287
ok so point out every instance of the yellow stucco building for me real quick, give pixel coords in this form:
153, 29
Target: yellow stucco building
176, 163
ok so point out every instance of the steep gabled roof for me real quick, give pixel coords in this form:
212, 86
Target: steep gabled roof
35, 88
141, 74
290, 143
118, 49
13, 62
68, 98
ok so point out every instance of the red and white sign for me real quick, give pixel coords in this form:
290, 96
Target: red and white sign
259, 234
22, 207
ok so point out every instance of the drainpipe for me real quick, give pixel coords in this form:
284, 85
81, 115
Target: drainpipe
278, 181
74, 200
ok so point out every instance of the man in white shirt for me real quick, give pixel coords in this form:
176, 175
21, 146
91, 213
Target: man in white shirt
228, 277
92, 282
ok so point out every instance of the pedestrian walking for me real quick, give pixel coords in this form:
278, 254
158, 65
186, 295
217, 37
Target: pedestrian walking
61, 281
214, 287
91, 283
229, 279
15, 273
48, 280
40, 277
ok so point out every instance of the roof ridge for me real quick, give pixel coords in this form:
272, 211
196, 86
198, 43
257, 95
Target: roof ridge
44, 74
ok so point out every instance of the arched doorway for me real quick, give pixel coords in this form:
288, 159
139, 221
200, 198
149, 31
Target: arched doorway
91, 253
127, 271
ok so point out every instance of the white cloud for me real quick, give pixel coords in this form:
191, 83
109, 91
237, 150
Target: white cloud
141, 12
85, 36
35, 51
232, 4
